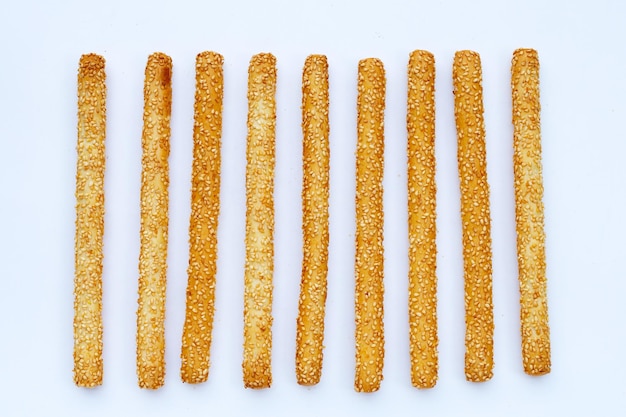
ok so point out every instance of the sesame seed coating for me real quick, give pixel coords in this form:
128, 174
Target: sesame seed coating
369, 260
315, 194
154, 221
475, 215
422, 192
529, 212
88, 259
259, 268
203, 222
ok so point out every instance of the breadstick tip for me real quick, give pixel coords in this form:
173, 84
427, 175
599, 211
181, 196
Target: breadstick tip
208, 58
90, 63
263, 58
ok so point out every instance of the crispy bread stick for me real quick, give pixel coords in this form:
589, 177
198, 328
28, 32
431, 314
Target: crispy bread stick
154, 221
369, 262
475, 215
315, 194
205, 208
422, 193
259, 268
89, 221
529, 212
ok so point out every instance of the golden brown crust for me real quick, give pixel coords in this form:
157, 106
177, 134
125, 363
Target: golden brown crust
315, 194
89, 221
154, 222
259, 268
422, 193
475, 215
205, 208
529, 212
369, 262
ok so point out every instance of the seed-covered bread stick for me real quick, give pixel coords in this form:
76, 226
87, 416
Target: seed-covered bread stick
315, 194
422, 193
529, 212
259, 268
205, 208
89, 221
475, 215
369, 262
154, 221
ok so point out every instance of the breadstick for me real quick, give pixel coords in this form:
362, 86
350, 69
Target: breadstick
422, 193
89, 221
475, 215
259, 268
154, 221
315, 194
529, 212
205, 208
369, 262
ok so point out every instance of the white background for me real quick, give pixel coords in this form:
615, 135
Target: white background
583, 69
